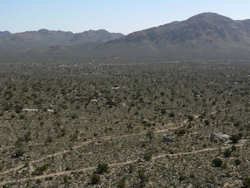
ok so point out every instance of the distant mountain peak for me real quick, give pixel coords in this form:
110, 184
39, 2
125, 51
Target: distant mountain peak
203, 36
100, 35
98, 31
207, 14
5, 33
210, 17
95, 31
45, 31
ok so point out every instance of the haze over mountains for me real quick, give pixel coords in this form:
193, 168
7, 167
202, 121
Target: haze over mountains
204, 36
43, 40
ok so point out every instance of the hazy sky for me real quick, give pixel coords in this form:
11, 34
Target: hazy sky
114, 15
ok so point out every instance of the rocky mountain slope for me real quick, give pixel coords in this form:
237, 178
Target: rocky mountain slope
207, 36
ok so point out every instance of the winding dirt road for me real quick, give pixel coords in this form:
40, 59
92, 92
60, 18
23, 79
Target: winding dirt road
63, 173
105, 138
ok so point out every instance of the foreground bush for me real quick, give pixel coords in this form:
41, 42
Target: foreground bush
95, 179
102, 168
217, 162
246, 183
235, 138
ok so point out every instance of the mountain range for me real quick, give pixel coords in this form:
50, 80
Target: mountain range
207, 36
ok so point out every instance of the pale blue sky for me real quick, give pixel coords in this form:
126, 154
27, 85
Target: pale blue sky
114, 15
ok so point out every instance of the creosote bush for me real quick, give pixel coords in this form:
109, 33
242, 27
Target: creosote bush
227, 153
122, 183
180, 132
148, 156
19, 153
143, 177
237, 162
95, 179
102, 168
40, 170
217, 162
235, 138
246, 182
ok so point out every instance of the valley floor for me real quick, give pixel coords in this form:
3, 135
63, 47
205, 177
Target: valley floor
150, 125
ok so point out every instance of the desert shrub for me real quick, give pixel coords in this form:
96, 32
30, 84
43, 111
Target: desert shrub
237, 162
6, 186
27, 136
180, 132
217, 162
131, 169
65, 180
233, 148
21, 116
48, 140
74, 116
40, 170
235, 138
190, 118
224, 165
18, 153
95, 179
122, 183
182, 178
148, 156
163, 111
146, 123
206, 122
246, 182
102, 168
236, 124
18, 109
171, 115
227, 153
150, 135
143, 177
